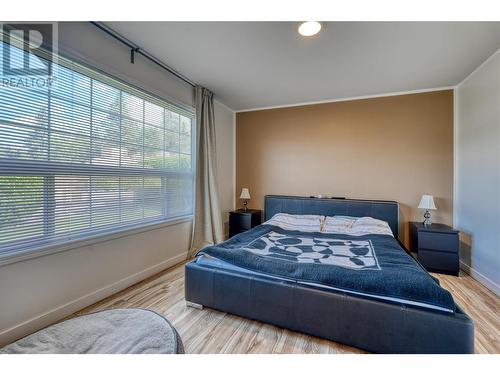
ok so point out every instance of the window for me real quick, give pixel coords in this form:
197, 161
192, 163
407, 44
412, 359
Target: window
89, 155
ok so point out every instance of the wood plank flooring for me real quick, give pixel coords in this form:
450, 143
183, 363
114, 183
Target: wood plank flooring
210, 331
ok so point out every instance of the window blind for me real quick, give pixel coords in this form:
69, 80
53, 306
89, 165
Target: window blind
88, 155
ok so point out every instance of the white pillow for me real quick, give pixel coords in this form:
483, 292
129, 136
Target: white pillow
338, 224
303, 223
355, 226
369, 225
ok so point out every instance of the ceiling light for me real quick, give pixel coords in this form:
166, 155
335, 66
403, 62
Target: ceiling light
309, 28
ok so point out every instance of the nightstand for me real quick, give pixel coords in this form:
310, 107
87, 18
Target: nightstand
436, 246
241, 220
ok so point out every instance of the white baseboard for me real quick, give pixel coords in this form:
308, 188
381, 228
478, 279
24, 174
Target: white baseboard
490, 284
52, 316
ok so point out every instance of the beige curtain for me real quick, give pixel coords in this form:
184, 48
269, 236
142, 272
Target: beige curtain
207, 226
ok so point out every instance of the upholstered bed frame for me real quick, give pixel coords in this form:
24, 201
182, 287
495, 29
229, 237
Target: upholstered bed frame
372, 325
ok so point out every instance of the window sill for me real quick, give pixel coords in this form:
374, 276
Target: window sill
49, 249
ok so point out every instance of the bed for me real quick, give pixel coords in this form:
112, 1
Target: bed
365, 291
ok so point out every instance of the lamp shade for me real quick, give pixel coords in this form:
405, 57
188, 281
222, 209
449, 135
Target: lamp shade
245, 194
427, 202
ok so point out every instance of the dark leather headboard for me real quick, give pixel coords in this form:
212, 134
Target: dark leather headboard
382, 210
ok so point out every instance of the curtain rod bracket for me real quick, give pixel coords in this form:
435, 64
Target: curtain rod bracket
132, 54
134, 49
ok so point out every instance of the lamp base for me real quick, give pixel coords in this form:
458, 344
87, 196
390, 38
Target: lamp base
427, 218
245, 202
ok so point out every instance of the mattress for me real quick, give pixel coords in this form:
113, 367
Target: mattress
212, 262
373, 266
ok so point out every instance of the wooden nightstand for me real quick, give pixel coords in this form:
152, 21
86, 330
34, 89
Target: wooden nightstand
241, 220
436, 246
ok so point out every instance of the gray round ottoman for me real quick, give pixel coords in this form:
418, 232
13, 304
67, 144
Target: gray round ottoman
120, 331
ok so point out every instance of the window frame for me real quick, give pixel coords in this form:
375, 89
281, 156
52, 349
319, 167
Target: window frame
108, 233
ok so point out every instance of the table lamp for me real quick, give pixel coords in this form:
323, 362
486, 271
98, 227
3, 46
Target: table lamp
427, 203
245, 195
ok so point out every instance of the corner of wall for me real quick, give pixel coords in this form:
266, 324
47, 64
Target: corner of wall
234, 160
455, 154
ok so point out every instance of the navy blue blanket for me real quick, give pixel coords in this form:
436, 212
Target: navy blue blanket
373, 264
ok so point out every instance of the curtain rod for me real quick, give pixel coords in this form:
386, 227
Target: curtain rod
134, 48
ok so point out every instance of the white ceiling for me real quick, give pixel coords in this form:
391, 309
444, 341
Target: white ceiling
259, 64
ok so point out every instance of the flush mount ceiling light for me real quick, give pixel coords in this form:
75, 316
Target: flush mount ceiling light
309, 28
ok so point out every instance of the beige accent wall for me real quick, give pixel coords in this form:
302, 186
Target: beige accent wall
394, 148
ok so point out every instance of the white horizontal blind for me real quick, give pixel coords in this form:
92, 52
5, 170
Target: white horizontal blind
88, 155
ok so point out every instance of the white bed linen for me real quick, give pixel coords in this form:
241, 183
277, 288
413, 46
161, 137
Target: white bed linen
338, 224
355, 226
303, 223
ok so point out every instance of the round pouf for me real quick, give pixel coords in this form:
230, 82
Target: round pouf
118, 331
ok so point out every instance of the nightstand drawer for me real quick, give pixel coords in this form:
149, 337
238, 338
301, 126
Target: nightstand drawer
243, 220
447, 242
240, 221
439, 261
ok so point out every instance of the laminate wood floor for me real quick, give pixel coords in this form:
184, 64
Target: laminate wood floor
211, 331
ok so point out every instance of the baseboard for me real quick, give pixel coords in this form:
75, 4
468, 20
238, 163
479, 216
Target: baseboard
58, 313
490, 284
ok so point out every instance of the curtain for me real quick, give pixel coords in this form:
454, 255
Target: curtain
207, 225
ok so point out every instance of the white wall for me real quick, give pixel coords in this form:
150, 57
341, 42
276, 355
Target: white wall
477, 169
39, 291
87, 43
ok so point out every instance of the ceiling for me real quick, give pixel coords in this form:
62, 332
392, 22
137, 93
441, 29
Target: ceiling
252, 65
